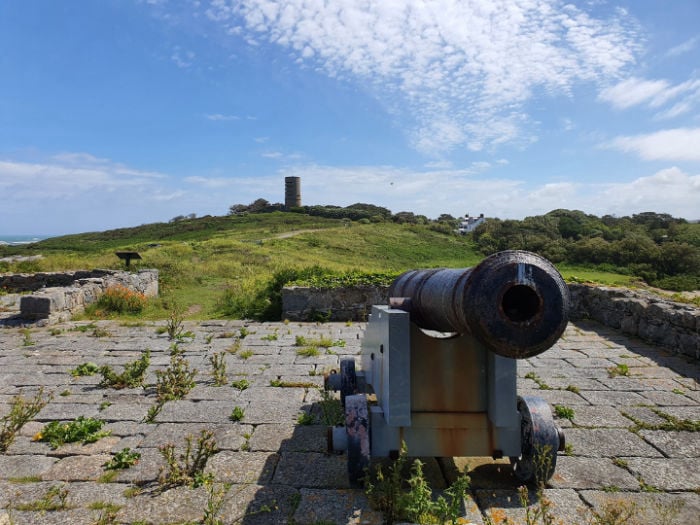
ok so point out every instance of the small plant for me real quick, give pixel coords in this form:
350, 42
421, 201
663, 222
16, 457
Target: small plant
108, 512
100, 332
572, 388
55, 331
243, 332
56, 498
619, 462
27, 337
331, 409
85, 369
121, 300
65, 393
133, 375
176, 381
618, 370
306, 419
173, 383
216, 497
188, 468
538, 380
241, 384
103, 405
564, 412
218, 363
123, 459
208, 339
237, 414
83, 429
388, 494
308, 351
291, 384
270, 337
569, 449
245, 354
22, 410
617, 512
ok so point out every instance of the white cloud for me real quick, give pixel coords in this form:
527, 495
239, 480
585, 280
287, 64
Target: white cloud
220, 117
461, 71
182, 59
680, 144
685, 47
632, 92
654, 94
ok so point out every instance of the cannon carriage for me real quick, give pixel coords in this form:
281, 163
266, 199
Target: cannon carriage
439, 363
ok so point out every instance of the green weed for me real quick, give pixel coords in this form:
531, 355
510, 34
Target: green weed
85, 369
123, 459
21, 411
188, 467
241, 384
83, 429
564, 412
306, 419
618, 370
133, 375
56, 498
237, 414
218, 363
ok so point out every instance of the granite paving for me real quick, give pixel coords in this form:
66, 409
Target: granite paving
630, 412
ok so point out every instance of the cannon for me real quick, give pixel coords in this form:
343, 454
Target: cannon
438, 367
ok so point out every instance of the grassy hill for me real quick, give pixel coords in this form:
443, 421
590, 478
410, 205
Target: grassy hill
229, 266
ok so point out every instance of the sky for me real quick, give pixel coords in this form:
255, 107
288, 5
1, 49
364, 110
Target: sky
117, 113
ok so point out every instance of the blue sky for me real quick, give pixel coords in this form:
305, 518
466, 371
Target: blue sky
123, 112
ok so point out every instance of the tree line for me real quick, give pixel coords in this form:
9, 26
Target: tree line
661, 249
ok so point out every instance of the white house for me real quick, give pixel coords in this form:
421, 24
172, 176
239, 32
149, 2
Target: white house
468, 224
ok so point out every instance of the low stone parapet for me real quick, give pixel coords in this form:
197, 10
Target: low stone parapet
59, 303
642, 314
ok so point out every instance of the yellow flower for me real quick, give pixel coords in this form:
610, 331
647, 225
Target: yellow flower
37, 436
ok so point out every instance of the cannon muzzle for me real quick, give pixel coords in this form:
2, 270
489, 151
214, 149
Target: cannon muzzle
514, 302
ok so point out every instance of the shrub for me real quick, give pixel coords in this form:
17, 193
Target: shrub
120, 299
21, 411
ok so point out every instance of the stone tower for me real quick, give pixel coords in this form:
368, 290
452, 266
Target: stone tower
292, 192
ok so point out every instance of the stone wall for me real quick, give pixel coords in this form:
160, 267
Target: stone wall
336, 304
642, 314
58, 295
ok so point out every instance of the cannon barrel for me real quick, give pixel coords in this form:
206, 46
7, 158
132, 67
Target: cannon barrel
514, 302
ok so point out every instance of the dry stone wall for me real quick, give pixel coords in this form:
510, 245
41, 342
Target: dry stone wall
642, 314
56, 296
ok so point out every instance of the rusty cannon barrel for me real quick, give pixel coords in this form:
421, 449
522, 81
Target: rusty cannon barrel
515, 302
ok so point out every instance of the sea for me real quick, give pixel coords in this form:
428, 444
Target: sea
14, 240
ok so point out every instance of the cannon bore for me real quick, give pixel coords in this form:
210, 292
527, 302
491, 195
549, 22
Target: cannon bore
514, 302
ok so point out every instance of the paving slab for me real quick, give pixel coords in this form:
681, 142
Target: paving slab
270, 469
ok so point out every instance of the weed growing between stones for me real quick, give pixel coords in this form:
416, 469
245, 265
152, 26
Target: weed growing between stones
216, 497
413, 500
123, 459
564, 412
671, 424
56, 498
121, 300
218, 363
270, 337
27, 337
85, 369
83, 429
101, 332
188, 468
540, 383
618, 370
133, 375
331, 409
107, 512
306, 419
241, 384
237, 414
173, 383
245, 354
292, 384
22, 410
